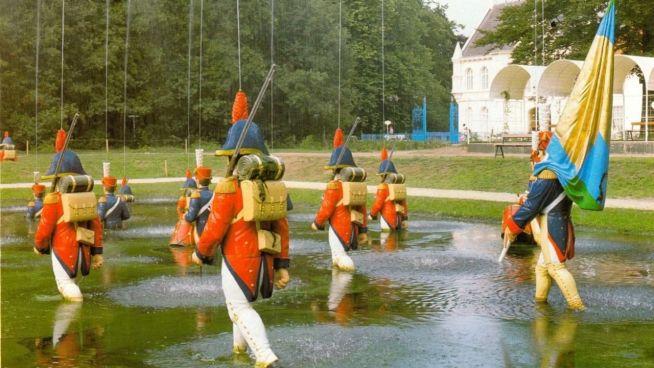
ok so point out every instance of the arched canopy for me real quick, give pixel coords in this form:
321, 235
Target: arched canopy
511, 81
623, 66
559, 77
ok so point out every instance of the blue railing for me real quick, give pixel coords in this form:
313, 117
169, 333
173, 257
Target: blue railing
429, 136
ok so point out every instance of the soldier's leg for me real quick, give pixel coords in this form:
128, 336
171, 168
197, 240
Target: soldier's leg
240, 345
557, 270
247, 320
543, 281
340, 258
67, 287
385, 227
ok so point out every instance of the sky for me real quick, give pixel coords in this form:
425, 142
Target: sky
466, 12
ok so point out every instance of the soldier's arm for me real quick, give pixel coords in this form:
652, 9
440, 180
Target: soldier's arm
536, 201
96, 226
102, 207
282, 260
380, 198
329, 201
193, 207
222, 213
47, 223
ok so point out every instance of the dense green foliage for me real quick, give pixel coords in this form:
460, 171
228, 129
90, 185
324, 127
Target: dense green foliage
570, 26
418, 42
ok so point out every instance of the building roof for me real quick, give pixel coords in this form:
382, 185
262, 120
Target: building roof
489, 23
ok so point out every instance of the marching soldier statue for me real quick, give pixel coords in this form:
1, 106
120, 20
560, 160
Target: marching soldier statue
35, 207
248, 223
343, 207
200, 203
112, 208
391, 198
69, 227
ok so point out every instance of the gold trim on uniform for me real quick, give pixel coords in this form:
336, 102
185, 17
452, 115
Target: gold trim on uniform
547, 174
226, 186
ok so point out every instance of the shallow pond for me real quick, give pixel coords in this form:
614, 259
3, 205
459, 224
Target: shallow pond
434, 296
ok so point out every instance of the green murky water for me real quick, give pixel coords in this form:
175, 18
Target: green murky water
435, 296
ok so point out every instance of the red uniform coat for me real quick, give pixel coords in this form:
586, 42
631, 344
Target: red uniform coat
339, 216
387, 208
239, 242
62, 237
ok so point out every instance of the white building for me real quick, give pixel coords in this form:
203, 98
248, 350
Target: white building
495, 96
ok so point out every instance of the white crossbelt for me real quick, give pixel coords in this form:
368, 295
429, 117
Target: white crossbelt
553, 204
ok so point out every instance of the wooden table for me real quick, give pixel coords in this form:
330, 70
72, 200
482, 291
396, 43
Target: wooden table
639, 127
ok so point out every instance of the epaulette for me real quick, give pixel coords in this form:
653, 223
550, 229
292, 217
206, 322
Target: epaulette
102, 199
226, 186
547, 174
51, 198
195, 194
332, 185
382, 186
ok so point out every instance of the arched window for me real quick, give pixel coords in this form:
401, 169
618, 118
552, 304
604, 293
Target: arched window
469, 84
484, 78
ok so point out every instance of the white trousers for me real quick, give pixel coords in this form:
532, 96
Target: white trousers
67, 287
383, 224
247, 324
340, 258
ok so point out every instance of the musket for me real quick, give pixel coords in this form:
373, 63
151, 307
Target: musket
347, 140
55, 180
248, 122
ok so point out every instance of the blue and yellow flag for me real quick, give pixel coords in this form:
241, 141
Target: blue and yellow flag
579, 150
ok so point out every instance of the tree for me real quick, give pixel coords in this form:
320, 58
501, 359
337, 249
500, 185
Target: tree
570, 26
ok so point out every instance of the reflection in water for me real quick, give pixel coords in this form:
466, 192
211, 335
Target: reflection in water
554, 336
70, 346
339, 302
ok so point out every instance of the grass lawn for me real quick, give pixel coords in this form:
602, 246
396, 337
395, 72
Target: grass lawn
629, 177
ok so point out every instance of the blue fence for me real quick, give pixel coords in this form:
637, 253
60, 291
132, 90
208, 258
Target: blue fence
430, 136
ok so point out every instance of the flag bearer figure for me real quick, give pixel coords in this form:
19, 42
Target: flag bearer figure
343, 206
391, 200
35, 207
200, 203
254, 249
549, 205
69, 225
112, 209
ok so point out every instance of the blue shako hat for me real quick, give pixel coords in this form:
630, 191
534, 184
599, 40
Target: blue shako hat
347, 159
70, 164
386, 166
253, 143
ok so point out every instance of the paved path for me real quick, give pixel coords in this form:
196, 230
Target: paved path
646, 204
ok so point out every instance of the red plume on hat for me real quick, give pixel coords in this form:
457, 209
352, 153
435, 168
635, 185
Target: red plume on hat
384, 154
338, 138
60, 140
188, 174
124, 181
240, 107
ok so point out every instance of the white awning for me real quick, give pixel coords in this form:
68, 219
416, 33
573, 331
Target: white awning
511, 81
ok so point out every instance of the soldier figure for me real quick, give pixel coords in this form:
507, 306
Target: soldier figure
112, 209
390, 200
200, 204
347, 221
249, 266
75, 239
35, 207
